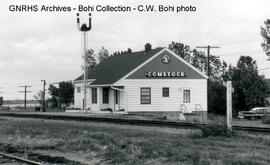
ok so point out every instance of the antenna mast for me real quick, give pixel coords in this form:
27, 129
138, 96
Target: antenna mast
84, 29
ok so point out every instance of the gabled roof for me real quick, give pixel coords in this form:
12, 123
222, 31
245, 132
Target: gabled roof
117, 66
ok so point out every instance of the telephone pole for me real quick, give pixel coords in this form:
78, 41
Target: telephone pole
1, 98
208, 47
25, 92
43, 96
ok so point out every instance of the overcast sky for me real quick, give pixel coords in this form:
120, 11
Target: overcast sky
36, 46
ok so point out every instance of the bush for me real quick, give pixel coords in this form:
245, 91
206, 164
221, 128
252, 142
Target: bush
215, 130
266, 120
4, 108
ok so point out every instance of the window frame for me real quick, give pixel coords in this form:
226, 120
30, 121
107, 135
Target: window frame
94, 95
163, 92
185, 99
105, 98
78, 89
143, 100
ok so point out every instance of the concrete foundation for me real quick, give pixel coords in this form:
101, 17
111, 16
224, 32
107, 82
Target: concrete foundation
195, 116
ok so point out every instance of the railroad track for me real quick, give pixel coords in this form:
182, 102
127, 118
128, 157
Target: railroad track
152, 122
18, 159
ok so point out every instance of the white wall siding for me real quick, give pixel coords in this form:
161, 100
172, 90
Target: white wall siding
198, 89
78, 97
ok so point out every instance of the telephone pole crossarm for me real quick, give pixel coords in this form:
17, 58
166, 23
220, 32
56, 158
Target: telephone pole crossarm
25, 92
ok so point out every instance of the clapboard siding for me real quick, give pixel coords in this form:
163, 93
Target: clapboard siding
198, 88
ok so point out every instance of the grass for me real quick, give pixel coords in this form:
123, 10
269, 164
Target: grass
99, 143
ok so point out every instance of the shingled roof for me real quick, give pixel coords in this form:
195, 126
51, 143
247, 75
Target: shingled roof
117, 66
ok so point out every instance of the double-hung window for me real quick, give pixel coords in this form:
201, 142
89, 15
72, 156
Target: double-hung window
186, 96
94, 95
166, 92
145, 95
105, 95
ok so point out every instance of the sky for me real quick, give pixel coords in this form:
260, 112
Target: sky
47, 45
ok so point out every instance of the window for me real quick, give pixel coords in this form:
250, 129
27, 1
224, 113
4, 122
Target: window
145, 95
186, 96
94, 95
116, 97
166, 92
105, 95
78, 89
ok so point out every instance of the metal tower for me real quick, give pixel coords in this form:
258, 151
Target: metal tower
84, 29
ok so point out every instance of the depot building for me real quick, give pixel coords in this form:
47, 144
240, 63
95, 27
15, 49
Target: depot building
152, 80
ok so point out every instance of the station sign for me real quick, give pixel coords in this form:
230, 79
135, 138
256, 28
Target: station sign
166, 74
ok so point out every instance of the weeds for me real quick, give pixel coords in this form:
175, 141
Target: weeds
215, 130
119, 144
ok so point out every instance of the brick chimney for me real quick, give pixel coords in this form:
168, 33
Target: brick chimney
147, 47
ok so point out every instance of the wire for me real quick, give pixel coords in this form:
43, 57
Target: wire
225, 54
264, 68
239, 43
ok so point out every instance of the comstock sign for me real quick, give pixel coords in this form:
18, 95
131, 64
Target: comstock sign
165, 74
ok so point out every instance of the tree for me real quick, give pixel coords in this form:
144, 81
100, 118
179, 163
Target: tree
38, 97
217, 98
54, 100
64, 94
250, 89
181, 49
90, 59
265, 33
102, 54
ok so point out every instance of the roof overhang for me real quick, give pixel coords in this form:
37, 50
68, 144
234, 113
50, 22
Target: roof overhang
82, 81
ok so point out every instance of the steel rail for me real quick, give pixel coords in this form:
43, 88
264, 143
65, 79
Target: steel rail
115, 120
20, 159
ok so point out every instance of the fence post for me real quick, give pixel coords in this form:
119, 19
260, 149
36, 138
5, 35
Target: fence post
229, 105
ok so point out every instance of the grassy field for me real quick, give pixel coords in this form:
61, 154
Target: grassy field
99, 143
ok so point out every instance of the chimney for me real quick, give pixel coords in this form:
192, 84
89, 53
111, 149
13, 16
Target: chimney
148, 47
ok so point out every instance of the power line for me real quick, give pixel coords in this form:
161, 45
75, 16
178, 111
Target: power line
25, 92
239, 43
264, 68
233, 53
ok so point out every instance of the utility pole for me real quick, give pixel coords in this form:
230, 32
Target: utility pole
25, 92
1, 98
84, 29
208, 67
43, 96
